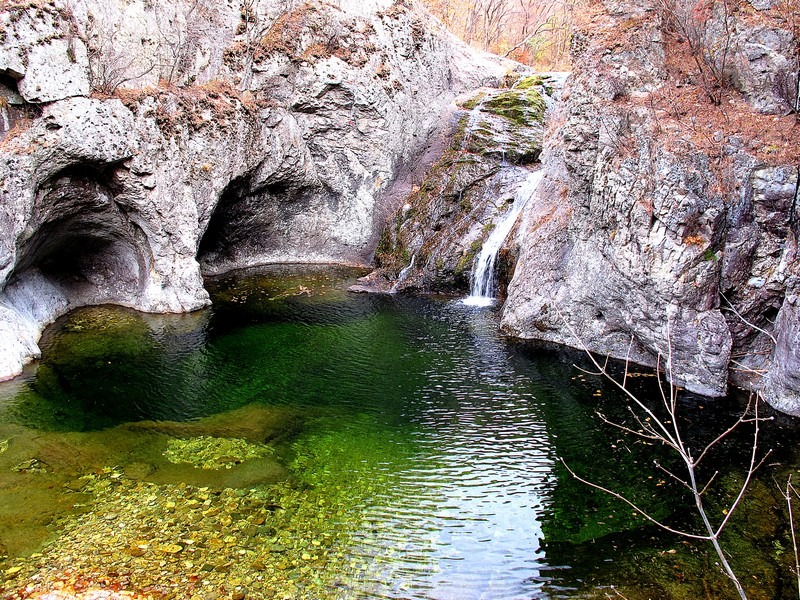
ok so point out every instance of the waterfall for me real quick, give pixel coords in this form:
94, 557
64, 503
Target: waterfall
403, 274
483, 276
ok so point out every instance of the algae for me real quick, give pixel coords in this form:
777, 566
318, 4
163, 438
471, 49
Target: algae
464, 263
529, 82
292, 539
474, 101
116, 509
205, 452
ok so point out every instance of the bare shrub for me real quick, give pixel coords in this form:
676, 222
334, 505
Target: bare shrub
694, 22
661, 425
616, 132
789, 494
787, 81
110, 65
786, 85
260, 33
181, 37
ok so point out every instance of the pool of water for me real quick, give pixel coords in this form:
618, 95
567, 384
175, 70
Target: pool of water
300, 441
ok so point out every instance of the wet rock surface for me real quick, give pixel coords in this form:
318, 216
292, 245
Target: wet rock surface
432, 241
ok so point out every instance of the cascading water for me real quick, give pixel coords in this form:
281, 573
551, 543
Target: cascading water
403, 275
482, 289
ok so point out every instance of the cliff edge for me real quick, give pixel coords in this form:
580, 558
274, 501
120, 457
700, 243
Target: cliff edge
666, 227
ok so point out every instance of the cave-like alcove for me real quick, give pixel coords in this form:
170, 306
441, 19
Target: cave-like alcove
14, 111
82, 241
222, 233
248, 222
9, 90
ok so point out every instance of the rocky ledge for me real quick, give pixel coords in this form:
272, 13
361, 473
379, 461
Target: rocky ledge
432, 241
664, 229
145, 145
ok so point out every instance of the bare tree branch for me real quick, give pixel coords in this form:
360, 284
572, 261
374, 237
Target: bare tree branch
668, 432
732, 308
634, 506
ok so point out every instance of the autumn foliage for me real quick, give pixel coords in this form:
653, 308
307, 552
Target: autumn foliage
535, 32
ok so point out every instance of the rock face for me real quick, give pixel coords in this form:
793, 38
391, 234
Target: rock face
144, 144
431, 243
42, 51
275, 134
665, 227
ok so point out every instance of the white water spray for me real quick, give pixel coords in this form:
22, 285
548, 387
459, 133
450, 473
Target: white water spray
482, 289
403, 274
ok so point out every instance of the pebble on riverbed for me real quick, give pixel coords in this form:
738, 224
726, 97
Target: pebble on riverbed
143, 540
206, 452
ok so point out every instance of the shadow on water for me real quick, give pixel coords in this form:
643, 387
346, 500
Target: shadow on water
430, 444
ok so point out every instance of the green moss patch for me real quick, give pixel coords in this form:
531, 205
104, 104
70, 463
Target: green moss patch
474, 101
529, 83
523, 107
464, 264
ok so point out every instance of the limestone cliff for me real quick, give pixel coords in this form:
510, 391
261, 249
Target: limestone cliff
666, 223
145, 143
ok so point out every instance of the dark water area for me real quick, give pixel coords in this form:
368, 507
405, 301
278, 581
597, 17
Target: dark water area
374, 446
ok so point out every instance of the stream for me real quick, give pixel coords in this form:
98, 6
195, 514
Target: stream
299, 441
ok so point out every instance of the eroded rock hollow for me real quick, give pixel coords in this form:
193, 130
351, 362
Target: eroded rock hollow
144, 145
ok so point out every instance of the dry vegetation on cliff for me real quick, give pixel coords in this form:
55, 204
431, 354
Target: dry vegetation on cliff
691, 109
677, 153
216, 103
533, 32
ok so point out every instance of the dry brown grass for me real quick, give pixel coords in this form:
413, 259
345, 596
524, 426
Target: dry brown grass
695, 240
25, 4
784, 14
286, 33
684, 115
684, 118
604, 32
307, 34
11, 141
191, 105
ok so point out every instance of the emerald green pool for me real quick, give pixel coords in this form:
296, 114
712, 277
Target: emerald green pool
300, 441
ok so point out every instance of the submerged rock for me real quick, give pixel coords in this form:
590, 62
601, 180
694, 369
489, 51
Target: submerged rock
206, 452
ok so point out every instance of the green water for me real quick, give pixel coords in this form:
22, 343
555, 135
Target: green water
299, 441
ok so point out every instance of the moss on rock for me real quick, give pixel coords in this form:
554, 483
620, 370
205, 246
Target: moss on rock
524, 107
206, 452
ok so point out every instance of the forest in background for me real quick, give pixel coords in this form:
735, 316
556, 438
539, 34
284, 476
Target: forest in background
534, 32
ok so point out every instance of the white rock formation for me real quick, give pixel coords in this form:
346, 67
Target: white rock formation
277, 137
643, 243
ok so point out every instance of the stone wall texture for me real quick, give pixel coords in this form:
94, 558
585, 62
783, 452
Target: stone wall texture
665, 228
